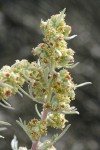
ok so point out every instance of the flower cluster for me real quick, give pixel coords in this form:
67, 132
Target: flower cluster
62, 84
49, 81
54, 50
11, 78
52, 86
37, 128
56, 120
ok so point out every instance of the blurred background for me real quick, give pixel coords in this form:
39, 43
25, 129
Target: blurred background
20, 32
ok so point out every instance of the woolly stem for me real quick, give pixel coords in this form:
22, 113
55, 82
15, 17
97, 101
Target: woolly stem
34, 145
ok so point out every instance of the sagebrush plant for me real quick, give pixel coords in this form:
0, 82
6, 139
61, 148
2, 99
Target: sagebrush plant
49, 83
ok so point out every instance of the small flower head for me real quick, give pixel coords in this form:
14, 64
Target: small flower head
56, 120
51, 148
22, 148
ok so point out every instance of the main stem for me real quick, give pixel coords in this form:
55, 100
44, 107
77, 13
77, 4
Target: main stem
34, 145
44, 116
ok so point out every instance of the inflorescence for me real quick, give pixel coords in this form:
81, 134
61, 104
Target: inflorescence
49, 81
